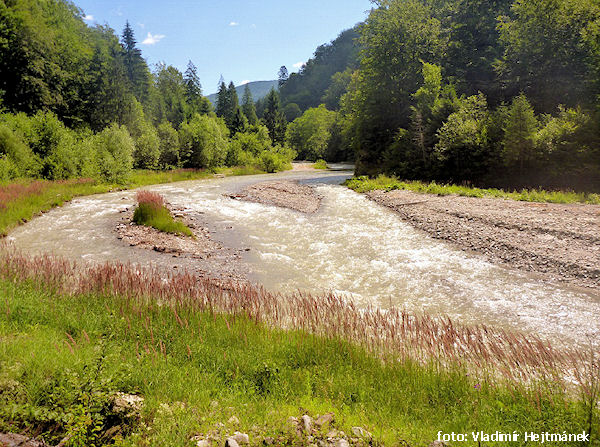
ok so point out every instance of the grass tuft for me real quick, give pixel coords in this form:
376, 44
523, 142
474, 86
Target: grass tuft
365, 184
320, 164
152, 212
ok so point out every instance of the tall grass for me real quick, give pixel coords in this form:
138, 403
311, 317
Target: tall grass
183, 341
152, 212
365, 184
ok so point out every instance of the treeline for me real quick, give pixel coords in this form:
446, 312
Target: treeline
80, 101
498, 93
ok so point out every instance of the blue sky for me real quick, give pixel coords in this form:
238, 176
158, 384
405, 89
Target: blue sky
245, 40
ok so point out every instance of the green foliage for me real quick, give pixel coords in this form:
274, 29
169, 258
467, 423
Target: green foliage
273, 118
169, 146
248, 107
320, 164
260, 373
520, 132
204, 142
159, 217
291, 111
309, 135
114, 149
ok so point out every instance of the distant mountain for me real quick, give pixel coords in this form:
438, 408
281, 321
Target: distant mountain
259, 90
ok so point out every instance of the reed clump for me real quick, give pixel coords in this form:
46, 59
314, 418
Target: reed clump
152, 212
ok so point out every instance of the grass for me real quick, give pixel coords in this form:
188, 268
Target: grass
320, 164
23, 199
72, 335
152, 212
364, 184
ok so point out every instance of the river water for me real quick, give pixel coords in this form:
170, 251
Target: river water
351, 246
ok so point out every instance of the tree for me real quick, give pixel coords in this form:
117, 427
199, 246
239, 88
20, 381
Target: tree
136, 68
309, 135
248, 107
193, 91
292, 111
519, 134
222, 105
204, 142
274, 119
170, 102
283, 75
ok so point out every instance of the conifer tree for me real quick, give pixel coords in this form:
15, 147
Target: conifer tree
248, 107
193, 89
222, 101
519, 133
135, 65
274, 119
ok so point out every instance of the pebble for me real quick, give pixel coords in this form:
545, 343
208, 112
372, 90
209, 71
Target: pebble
231, 443
233, 420
241, 438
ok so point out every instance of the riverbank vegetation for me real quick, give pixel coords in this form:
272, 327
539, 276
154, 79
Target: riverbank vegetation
196, 355
151, 211
364, 184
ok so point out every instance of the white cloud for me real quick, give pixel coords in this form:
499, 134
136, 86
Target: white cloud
245, 82
233, 23
298, 65
152, 39
89, 18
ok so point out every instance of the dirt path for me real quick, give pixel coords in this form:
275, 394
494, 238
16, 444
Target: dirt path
560, 241
286, 194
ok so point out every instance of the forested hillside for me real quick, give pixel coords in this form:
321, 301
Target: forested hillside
258, 89
499, 93
81, 101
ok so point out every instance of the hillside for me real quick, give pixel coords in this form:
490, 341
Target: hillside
259, 90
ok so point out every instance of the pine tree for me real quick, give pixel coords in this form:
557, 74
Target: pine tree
135, 65
193, 90
239, 123
222, 101
283, 75
248, 107
274, 119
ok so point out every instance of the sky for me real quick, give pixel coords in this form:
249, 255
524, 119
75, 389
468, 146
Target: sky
244, 40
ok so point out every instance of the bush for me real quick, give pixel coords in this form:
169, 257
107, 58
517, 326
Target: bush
17, 152
309, 135
204, 141
147, 149
320, 164
113, 148
169, 146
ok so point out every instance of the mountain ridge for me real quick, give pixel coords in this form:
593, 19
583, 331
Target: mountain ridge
259, 90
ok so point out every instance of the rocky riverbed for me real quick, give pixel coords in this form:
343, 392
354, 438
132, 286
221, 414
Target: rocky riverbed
561, 242
286, 194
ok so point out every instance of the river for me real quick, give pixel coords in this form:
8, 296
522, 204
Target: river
351, 246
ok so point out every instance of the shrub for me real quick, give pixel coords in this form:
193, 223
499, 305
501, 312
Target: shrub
147, 149
320, 164
17, 152
113, 148
169, 146
204, 141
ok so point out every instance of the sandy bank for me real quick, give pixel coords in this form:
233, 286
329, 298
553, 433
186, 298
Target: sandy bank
286, 194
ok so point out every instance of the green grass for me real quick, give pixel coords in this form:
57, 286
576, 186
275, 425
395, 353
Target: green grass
364, 184
159, 217
320, 164
61, 356
21, 200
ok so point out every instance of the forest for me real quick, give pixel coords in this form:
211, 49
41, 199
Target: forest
495, 94
80, 101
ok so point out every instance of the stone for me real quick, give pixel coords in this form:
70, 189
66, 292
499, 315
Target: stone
241, 438
269, 441
230, 442
361, 433
342, 443
203, 443
14, 440
292, 421
324, 419
307, 423
128, 404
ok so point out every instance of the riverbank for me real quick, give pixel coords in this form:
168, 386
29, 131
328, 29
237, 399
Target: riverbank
207, 363
24, 199
559, 241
